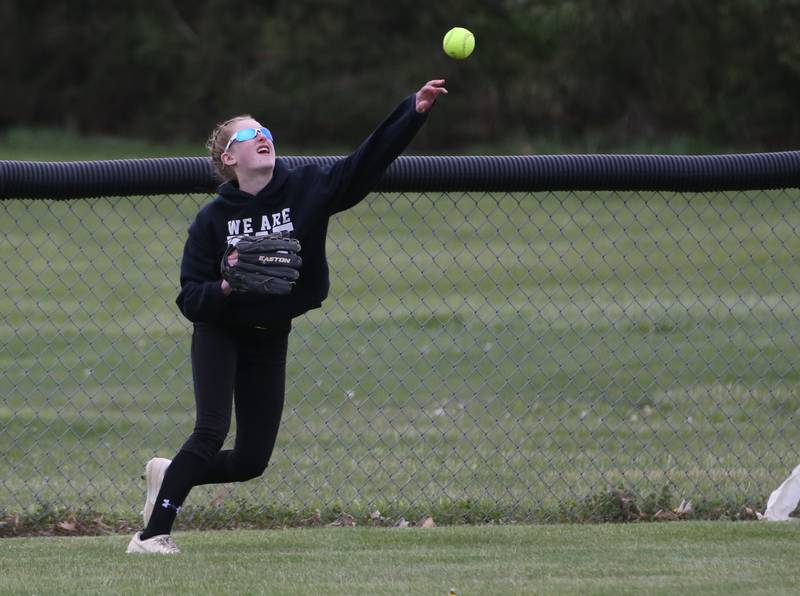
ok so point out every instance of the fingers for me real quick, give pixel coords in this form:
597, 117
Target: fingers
436, 86
427, 95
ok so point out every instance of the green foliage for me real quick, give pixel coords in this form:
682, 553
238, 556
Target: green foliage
616, 505
596, 75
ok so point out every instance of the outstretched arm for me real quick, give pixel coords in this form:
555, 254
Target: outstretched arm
352, 178
426, 96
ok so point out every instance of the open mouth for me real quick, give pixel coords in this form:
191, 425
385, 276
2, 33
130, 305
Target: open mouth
263, 150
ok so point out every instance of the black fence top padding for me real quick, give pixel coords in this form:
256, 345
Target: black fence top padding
171, 175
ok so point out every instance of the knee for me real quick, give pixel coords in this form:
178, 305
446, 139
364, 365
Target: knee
247, 468
206, 442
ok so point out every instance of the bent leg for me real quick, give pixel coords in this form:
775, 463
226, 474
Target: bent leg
259, 396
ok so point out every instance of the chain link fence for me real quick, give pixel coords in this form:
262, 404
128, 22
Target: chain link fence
503, 356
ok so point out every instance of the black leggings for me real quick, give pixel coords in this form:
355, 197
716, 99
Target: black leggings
246, 366
243, 367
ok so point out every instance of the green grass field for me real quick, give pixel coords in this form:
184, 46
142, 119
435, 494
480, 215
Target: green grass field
482, 357
689, 558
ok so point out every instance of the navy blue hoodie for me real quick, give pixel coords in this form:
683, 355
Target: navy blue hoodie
299, 201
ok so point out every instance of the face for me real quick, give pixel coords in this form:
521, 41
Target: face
251, 155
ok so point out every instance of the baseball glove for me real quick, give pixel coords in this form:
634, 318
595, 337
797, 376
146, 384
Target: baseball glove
265, 265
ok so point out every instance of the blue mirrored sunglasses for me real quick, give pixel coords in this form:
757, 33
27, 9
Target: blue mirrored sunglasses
248, 133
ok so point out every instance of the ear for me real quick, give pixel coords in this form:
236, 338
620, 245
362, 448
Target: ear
228, 159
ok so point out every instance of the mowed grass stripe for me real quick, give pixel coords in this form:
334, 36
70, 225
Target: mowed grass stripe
694, 558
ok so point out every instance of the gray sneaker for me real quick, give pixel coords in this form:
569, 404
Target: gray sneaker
153, 477
157, 545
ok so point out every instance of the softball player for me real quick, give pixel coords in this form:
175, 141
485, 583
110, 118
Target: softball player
240, 339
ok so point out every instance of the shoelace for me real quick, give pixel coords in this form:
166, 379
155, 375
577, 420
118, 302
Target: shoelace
168, 544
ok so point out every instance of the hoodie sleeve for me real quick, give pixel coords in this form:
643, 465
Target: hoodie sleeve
353, 177
201, 297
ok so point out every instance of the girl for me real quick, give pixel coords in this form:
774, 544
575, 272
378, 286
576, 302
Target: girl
240, 340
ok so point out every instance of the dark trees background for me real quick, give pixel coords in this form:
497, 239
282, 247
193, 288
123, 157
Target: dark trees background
323, 73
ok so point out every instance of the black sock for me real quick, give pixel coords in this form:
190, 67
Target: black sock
178, 481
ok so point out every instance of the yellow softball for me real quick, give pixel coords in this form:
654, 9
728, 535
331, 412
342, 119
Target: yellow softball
458, 43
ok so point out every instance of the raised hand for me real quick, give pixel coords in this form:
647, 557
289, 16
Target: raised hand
426, 96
